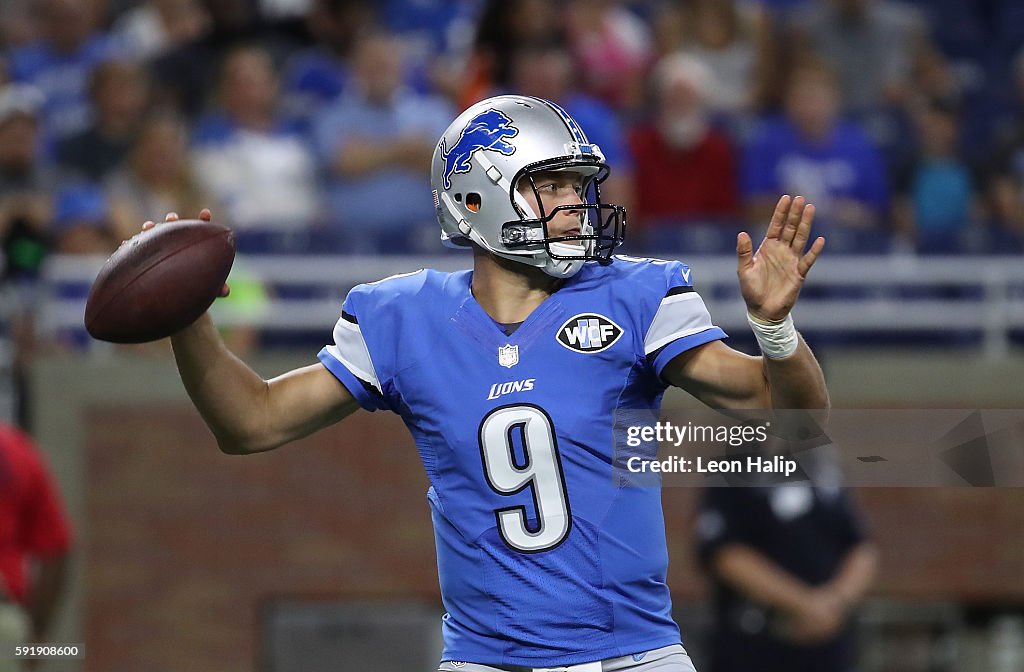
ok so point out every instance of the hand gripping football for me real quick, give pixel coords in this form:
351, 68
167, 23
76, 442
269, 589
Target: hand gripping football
159, 281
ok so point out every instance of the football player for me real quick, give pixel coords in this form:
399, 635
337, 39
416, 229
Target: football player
508, 376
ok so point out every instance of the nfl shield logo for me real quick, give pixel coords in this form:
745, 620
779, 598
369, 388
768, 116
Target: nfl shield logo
508, 355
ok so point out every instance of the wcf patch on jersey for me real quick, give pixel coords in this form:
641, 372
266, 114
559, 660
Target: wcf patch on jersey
589, 332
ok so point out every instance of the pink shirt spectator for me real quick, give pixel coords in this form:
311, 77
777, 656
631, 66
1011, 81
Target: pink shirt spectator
613, 48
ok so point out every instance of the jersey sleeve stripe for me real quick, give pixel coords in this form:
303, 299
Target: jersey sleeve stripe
678, 316
349, 317
349, 348
683, 289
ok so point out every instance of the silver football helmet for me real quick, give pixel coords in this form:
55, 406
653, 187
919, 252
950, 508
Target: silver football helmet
483, 158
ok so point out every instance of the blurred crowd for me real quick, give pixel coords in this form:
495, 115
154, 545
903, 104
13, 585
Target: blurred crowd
309, 124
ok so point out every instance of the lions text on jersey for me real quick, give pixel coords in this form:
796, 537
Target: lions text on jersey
542, 558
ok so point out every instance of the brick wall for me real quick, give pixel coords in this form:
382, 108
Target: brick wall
183, 543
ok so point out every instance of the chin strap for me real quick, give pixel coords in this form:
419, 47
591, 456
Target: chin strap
559, 268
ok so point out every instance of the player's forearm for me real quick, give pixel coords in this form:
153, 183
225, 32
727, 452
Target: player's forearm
856, 574
761, 580
246, 413
361, 157
796, 381
227, 393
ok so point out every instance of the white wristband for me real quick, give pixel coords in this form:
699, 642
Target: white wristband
778, 340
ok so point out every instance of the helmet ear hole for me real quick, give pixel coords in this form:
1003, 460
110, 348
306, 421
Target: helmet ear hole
473, 201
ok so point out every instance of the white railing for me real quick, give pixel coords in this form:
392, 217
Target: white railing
892, 294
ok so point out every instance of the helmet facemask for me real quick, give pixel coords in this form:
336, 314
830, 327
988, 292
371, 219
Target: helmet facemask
601, 224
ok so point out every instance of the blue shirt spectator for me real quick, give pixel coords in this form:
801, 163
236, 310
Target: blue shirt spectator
435, 33
315, 76
81, 221
845, 166
810, 151
942, 191
60, 64
602, 127
313, 79
935, 189
434, 26
376, 142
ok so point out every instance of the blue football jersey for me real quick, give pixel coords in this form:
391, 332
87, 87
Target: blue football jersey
543, 559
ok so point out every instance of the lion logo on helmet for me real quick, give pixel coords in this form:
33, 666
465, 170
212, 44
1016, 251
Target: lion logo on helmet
485, 131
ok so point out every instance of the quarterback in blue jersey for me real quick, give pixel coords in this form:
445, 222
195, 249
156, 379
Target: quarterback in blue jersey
508, 376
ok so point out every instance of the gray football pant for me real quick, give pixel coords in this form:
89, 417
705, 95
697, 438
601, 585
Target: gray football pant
666, 659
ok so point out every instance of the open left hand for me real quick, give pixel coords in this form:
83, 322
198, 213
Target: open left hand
771, 278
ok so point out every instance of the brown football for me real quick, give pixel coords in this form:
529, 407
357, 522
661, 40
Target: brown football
160, 281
